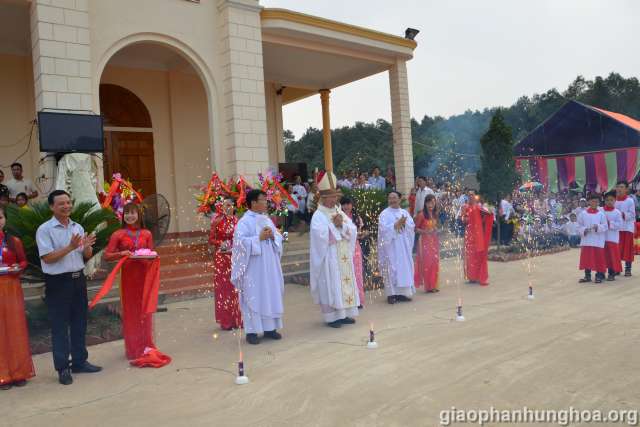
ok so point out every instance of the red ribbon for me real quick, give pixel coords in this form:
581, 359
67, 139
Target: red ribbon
150, 290
108, 283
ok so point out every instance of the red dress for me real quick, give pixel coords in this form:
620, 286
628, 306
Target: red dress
227, 311
477, 237
15, 355
428, 254
137, 325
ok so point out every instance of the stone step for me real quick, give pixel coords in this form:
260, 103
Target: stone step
296, 256
186, 270
187, 257
291, 266
182, 248
298, 277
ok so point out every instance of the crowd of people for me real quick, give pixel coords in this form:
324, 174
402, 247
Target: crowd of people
248, 278
18, 189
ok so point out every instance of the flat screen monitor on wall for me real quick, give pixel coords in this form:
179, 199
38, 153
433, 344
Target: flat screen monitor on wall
70, 133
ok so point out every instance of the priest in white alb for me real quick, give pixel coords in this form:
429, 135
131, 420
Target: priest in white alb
396, 232
256, 271
333, 242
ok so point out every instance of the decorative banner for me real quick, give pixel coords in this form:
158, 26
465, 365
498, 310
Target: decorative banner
552, 175
563, 173
598, 171
627, 164
580, 171
633, 164
610, 160
601, 172
590, 169
543, 172
524, 170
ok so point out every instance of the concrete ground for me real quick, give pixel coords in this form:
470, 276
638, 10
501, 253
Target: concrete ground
574, 345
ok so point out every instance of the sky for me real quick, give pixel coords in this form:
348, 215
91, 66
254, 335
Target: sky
474, 54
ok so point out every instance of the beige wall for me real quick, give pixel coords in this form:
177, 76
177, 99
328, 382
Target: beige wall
188, 28
177, 104
17, 110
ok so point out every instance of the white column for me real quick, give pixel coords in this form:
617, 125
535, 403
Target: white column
401, 122
247, 150
61, 54
326, 130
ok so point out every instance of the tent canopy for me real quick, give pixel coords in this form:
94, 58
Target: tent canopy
578, 129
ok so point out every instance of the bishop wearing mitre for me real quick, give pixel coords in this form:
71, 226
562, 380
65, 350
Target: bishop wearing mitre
333, 242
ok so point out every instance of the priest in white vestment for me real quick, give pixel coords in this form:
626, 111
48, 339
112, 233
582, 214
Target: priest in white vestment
256, 271
333, 242
396, 233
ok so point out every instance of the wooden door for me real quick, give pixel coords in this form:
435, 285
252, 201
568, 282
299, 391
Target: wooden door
131, 154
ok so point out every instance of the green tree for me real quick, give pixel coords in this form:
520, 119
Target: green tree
497, 174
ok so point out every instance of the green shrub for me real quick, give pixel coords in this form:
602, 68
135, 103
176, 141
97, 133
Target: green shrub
24, 223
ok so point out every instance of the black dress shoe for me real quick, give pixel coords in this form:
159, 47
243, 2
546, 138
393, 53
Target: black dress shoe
391, 299
85, 368
585, 280
64, 377
360, 307
335, 324
6, 386
253, 339
402, 298
20, 383
347, 321
274, 335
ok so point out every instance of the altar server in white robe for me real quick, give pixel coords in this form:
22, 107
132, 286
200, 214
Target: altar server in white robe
396, 232
300, 194
592, 225
333, 241
256, 271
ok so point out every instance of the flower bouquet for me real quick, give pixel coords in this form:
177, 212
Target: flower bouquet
117, 194
216, 190
277, 197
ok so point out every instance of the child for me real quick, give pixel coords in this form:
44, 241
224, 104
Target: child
627, 208
22, 200
571, 230
614, 223
592, 225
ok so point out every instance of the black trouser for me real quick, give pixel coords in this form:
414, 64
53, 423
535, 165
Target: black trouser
506, 232
66, 298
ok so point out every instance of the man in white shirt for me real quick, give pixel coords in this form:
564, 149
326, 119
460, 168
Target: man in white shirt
421, 194
346, 181
300, 194
376, 181
20, 184
570, 229
362, 183
582, 206
505, 213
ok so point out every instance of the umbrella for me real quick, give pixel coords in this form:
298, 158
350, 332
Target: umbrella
530, 186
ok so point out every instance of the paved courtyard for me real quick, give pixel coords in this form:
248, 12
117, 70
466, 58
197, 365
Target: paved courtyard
574, 345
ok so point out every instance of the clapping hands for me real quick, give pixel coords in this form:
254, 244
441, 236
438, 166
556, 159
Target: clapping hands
400, 224
266, 233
